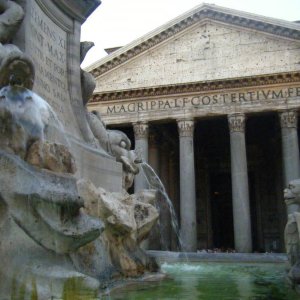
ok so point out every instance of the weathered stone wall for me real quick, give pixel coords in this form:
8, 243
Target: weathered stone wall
205, 51
50, 36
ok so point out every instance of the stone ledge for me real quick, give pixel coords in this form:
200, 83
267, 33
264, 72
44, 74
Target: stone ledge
197, 87
171, 257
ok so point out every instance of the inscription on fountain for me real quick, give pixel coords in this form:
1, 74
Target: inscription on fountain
46, 45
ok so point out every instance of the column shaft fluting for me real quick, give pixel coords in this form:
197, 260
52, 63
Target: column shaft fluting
240, 189
290, 150
188, 223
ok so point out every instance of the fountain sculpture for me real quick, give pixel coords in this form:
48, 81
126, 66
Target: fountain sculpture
63, 228
292, 234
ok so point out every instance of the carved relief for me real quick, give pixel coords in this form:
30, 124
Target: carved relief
140, 130
288, 119
236, 122
185, 128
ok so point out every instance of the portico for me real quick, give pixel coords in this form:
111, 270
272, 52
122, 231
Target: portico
214, 110
225, 182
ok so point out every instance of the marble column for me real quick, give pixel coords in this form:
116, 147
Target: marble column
188, 224
141, 146
239, 181
290, 150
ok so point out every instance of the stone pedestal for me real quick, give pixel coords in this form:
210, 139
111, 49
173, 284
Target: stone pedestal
50, 37
240, 190
290, 150
141, 147
188, 226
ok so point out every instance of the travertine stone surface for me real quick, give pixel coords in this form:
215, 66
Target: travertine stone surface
205, 51
50, 37
51, 156
209, 61
201, 101
128, 220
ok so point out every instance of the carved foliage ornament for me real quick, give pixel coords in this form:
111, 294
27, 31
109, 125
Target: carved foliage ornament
140, 130
185, 128
288, 119
236, 122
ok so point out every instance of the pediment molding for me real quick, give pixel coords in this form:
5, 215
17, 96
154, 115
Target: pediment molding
283, 29
262, 80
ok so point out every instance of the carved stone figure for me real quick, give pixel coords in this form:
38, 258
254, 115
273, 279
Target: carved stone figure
98, 129
40, 209
50, 243
15, 66
128, 218
128, 222
292, 233
88, 82
117, 144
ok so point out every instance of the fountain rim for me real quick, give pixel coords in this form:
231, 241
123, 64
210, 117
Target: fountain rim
191, 257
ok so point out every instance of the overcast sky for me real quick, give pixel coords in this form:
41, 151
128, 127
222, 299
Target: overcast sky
118, 22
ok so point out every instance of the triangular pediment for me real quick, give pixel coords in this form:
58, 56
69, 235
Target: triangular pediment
207, 43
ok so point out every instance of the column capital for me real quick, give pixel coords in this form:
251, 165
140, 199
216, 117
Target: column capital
236, 122
185, 127
140, 130
288, 119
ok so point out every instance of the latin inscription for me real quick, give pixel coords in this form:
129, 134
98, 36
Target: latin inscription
46, 44
200, 101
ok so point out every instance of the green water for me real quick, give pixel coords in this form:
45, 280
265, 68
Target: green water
213, 281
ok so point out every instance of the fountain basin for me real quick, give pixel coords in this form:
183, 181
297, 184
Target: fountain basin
216, 276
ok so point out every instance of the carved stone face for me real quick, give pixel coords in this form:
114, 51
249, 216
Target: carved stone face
292, 192
16, 68
120, 148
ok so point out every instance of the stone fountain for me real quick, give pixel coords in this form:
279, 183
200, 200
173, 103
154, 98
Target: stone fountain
67, 223
292, 233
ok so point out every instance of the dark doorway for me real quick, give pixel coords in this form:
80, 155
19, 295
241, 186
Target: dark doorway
221, 210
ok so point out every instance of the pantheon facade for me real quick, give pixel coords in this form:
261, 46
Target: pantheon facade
210, 100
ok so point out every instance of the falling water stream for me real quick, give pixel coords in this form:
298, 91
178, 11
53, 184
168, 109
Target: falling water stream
155, 183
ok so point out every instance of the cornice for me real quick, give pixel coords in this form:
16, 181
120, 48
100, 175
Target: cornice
197, 87
79, 9
215, 13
